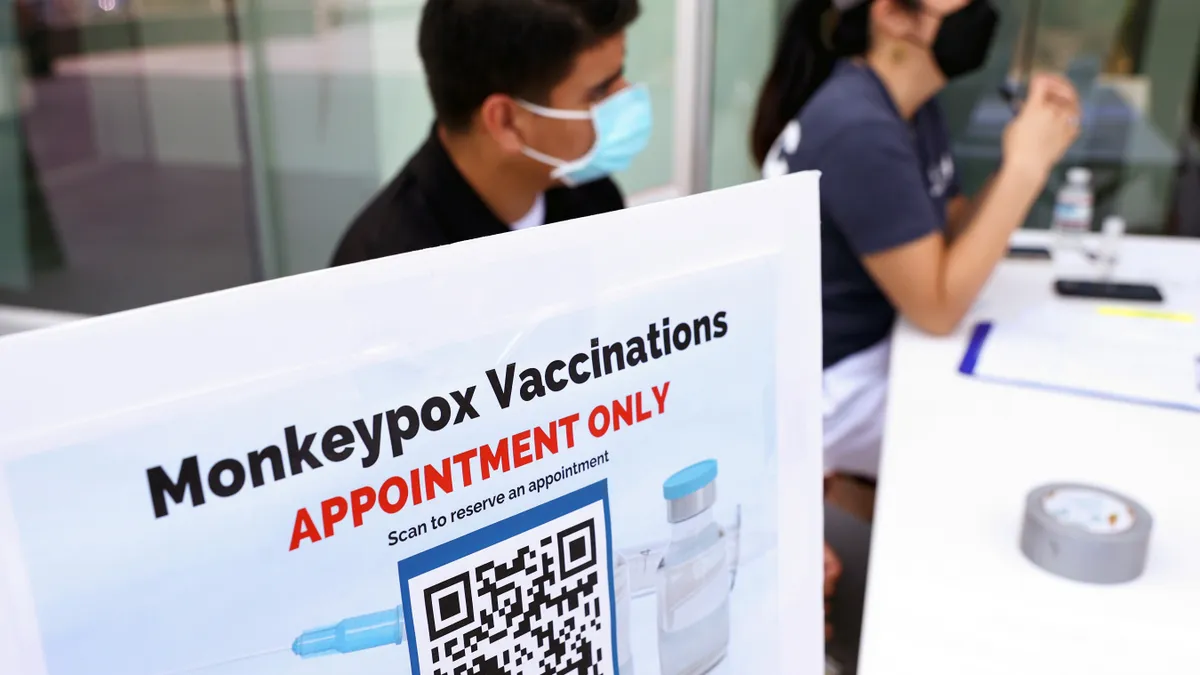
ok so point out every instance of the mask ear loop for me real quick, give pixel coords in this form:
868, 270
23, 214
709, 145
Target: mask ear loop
561, 166
555, 113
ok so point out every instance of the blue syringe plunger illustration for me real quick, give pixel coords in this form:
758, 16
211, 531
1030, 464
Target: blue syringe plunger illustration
353, 634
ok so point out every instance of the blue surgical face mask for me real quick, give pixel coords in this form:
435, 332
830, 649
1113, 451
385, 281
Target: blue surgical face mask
623, 123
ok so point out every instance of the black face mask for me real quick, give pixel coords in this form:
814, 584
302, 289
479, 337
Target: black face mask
965, 38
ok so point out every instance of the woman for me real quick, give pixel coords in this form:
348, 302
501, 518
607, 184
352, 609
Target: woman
851, 94
858, 78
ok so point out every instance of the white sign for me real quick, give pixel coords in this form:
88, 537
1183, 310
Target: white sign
591, 447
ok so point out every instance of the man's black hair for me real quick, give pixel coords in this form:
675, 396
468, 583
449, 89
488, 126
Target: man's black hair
472, 49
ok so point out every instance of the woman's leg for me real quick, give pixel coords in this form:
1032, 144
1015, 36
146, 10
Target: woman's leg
833, 570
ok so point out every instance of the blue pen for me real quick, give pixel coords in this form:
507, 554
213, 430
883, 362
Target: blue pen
352, 635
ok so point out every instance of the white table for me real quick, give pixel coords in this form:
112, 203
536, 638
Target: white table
949, 591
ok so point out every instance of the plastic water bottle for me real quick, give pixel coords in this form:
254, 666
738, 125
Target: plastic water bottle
1073, 209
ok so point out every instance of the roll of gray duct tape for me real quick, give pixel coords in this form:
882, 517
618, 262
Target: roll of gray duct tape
1086, 533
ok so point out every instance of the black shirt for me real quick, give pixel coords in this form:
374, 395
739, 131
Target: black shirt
429, 203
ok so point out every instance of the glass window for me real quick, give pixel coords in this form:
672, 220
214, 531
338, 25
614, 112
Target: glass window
1135, 63
155, 149
128, 147
336, 111
741, 62
165, 148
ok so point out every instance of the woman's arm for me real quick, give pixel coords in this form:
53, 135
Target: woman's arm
958, 212
933, 281
962, 209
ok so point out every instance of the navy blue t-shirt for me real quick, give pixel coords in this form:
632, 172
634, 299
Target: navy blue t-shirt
885, 182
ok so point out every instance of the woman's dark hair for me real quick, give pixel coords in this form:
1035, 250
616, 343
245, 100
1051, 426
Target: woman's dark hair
814, 37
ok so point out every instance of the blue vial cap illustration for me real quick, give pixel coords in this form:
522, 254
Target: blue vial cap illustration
352, 635
690, 480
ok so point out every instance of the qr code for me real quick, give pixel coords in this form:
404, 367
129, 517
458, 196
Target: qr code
527, 596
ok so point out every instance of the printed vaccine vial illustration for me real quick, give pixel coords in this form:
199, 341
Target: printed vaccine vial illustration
693, 578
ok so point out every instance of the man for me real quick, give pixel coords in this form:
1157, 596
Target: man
533, 114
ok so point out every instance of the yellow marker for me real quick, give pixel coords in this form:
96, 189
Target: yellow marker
1129, 312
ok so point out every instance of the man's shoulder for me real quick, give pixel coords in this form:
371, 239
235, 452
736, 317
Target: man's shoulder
396, 220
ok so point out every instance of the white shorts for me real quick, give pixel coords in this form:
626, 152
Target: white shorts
855, 395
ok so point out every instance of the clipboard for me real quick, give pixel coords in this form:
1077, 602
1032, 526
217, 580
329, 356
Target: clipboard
985, 332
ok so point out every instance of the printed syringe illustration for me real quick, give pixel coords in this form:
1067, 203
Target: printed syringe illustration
354, 634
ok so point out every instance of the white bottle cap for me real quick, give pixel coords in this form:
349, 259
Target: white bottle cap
1079, 175
1114, 226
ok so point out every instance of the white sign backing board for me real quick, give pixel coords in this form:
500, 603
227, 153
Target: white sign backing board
591, 447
